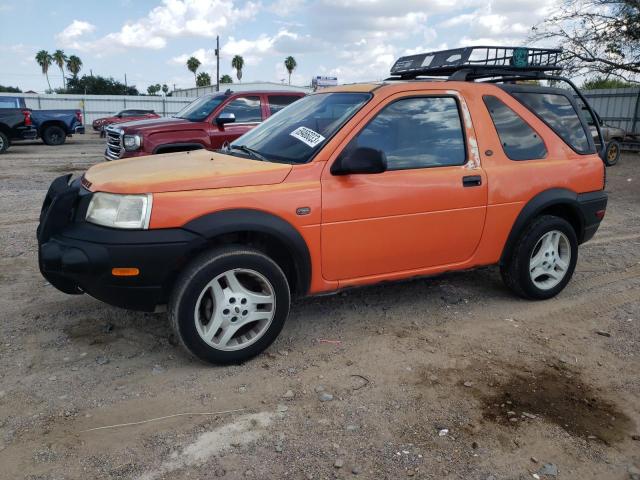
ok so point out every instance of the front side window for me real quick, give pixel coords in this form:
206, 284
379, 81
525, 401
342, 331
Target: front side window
299, 133
519, 141
246, 109
416, 133
201, 108
278, 102
557, 111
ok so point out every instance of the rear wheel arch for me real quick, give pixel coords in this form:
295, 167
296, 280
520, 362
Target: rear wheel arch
559, 202
263, 231
51, 123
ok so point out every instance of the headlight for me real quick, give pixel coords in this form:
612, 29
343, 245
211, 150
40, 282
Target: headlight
132, 142
120, 211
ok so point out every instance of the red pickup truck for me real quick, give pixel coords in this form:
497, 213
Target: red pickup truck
207, 122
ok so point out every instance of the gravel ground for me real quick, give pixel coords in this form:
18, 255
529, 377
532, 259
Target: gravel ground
443, 378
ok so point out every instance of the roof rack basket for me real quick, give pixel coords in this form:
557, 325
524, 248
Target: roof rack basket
481, 59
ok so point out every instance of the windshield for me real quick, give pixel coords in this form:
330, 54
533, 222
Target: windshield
297, 132
201, 108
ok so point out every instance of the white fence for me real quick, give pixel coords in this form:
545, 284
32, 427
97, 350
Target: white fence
96, 106
240, 87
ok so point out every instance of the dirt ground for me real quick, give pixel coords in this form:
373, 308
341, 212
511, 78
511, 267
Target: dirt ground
442, 378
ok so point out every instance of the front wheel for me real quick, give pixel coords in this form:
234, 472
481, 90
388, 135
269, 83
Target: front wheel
543, 259
229, 304
54, 135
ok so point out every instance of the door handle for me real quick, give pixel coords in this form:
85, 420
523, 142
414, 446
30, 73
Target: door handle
472, 181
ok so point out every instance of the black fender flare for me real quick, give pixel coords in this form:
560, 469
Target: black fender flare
223, 222
189, 146
554, 197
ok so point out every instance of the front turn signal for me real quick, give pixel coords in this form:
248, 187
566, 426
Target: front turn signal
125, 272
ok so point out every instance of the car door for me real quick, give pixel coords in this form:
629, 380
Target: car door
426, 210
248, 112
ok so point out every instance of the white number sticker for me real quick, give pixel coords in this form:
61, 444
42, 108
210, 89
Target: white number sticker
307, 136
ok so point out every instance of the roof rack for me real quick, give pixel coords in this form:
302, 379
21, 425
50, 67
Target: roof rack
468, 63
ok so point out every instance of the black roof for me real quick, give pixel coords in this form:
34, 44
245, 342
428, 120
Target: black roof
468, 63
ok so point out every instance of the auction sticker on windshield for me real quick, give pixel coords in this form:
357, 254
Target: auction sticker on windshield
308, 136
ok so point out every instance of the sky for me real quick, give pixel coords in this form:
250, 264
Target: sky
150, 41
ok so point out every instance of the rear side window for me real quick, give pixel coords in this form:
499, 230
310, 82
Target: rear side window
416, 133
519, 141
278, 102
246, 109
558, 112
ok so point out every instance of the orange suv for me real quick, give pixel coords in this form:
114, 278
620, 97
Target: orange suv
350, 186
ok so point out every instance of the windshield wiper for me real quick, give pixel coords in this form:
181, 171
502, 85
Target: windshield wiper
253, 153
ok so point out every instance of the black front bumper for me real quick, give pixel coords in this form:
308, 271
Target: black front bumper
78, 257
592, 206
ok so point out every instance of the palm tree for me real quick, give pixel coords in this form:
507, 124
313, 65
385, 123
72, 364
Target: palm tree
60, 59
193, 64
226, 79
203, 79
238, 62
74, 64
44, 59
165, 88
290, 64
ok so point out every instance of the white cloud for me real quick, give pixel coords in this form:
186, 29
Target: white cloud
172, 19
68, 37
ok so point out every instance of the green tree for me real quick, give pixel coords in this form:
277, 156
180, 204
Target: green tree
10, 89
290, 64
238, 63
97, 85
603, 82
165, 88
203, 79
44, 59
60, 59
74, 65
226, 79
193, 64
153, 89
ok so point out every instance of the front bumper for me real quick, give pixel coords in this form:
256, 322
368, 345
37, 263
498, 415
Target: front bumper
78, 257
592, 206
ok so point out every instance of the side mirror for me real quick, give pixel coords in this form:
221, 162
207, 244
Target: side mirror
225, 118
360, 160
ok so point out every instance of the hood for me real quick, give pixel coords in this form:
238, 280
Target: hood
155, 124
174, 172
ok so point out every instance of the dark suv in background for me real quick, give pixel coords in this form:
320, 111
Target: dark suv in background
207, 122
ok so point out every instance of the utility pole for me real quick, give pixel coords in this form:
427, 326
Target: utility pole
217, 63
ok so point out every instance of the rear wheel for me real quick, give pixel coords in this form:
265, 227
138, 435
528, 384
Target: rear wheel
4, 142
54, 135
229, 304
543, 260
612, 155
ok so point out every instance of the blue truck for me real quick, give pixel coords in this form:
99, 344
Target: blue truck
52, 126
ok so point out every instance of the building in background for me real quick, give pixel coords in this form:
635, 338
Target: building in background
239, 87
323, 82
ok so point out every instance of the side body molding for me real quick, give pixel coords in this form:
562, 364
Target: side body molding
555, 198
255, 221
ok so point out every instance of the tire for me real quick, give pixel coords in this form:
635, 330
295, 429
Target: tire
205, 293
612, 154
550, 259
54, 135
5, 143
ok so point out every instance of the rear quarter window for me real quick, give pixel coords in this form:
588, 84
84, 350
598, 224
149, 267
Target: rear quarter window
557, 111
519, 141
